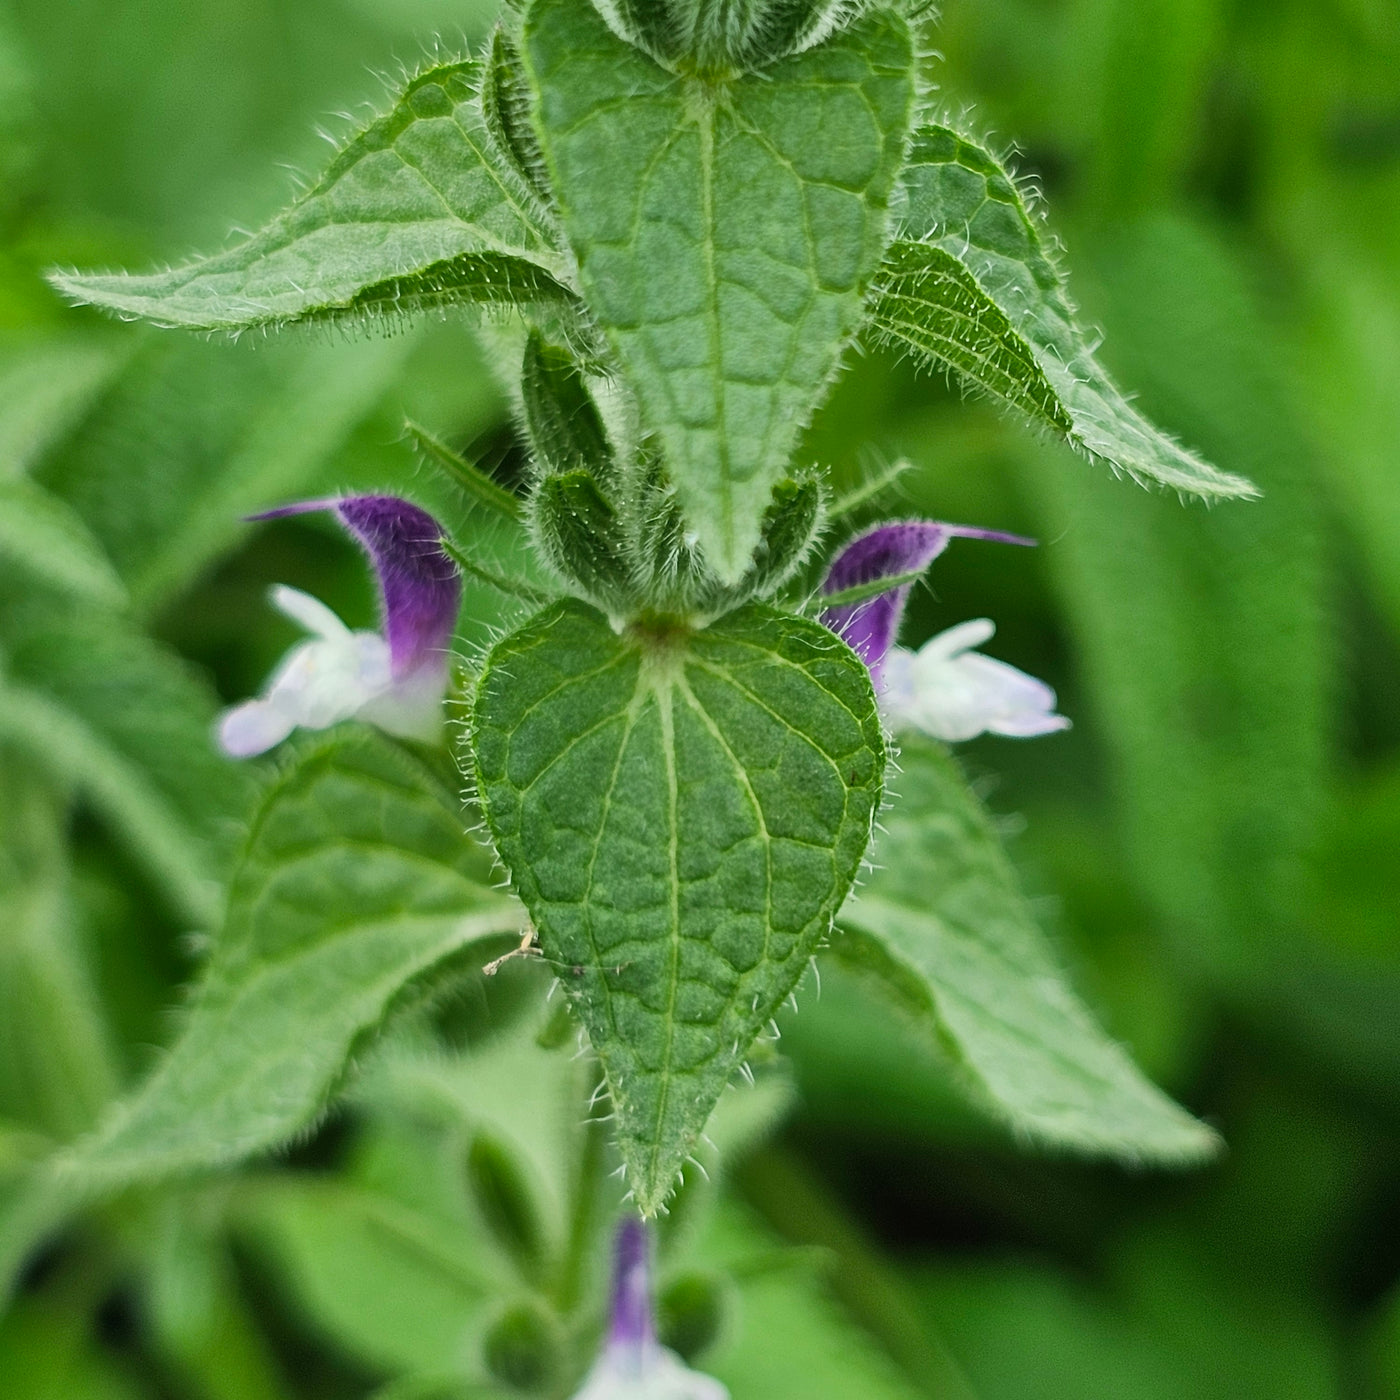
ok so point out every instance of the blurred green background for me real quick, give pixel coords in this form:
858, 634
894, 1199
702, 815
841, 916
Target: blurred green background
1215, 846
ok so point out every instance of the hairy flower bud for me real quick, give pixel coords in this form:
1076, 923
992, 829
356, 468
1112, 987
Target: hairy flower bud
717, 36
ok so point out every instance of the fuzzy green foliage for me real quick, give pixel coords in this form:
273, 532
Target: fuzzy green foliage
695, 209
682, 814
562, 421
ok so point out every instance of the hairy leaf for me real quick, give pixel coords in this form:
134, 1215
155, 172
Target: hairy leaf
47, 540
944, 928
930, 300
1005, 322
356, 880
419, 210
682, 815
726, 236
577, 530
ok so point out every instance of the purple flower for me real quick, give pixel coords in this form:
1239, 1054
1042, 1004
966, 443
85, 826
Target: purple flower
945, 689
634, 1365
396, 679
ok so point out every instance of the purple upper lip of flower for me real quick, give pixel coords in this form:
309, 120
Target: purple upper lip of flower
631, 1324
898, 547
418, 583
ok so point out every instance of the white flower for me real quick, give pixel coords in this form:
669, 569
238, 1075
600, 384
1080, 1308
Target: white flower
337, 675
647, 1371
952, 692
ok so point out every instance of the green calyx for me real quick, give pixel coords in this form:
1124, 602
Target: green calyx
724, 36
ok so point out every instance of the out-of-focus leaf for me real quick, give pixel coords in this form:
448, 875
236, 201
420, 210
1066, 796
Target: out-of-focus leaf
1223, 1336
128, 726
45, 384
1023, 1332
357, 879
1202, 636
791, 1340
728, 248
871, 1291
399, 1289
1347, 368
1134, 91
1384, 1348
195, 436
943, 926
1009, 327
48, 1352
56, 1063
47, 539
419, 210
201, 1323
522, 1096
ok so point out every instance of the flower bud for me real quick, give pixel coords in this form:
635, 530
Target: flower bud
725, 36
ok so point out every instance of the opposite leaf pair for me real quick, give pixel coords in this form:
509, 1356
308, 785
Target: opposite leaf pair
682, 810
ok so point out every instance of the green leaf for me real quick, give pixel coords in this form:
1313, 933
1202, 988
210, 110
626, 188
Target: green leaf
726, 236
418, 210
929, 300
505, 103
125, 723
200, 1322
48, 1351
483, 489
1005, 322
357, 879
790, 529
47, 539
791, 1339
944, 927
682, 814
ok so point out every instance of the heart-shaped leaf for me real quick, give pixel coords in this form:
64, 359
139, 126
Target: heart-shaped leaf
682, 813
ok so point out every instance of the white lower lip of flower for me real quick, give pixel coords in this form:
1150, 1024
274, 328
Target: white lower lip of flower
336, 675
954, 693
647, 1372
